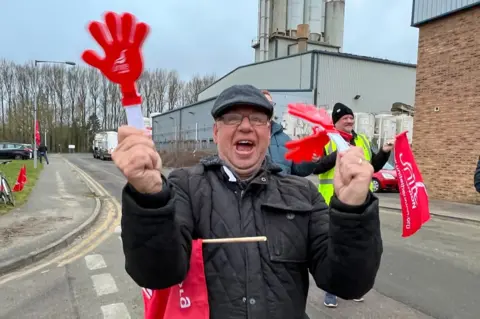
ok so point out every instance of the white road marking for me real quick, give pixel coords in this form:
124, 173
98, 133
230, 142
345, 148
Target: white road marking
95, 262
104, 284
115, 311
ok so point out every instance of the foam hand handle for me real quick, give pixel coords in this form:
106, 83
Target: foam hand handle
121, 37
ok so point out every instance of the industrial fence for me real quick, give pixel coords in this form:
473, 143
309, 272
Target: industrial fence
185, 140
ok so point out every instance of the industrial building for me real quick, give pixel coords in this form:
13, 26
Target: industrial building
299, 58
446, 139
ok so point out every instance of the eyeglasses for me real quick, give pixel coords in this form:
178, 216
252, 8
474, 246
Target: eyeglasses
256, 119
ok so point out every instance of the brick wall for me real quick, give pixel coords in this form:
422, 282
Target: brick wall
446, 141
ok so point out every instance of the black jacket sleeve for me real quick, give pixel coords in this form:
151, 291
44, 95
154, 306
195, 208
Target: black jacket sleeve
325, 163
476, 177
303, 169
345, 245
379, 160
157, 233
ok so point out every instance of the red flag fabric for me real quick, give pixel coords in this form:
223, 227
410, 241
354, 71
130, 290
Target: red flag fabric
187, 300
21, 180
37, 133
24, 175
413, 194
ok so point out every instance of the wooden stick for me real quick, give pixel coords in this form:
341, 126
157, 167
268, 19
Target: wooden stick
235, 240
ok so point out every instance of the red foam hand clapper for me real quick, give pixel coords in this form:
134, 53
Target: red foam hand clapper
121, 37
317, 116
305, 148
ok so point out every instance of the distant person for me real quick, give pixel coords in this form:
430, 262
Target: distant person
344, 120
476, 177
42, 152
277, 149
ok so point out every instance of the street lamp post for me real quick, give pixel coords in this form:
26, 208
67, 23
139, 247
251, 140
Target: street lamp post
196, 130
35, 103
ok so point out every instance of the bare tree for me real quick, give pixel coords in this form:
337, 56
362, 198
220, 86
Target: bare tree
104, 100
173, 89
160, 80
72, 86
93, 87
3, 65
73, 103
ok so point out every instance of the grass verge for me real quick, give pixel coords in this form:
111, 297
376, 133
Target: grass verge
11, 171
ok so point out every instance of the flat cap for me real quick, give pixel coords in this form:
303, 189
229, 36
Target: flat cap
245, 95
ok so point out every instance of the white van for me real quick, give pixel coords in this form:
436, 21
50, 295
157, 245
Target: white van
105, 143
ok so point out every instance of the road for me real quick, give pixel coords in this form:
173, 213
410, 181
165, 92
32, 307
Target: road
434, 274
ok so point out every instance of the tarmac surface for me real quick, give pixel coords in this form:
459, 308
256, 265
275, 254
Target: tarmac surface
433, 274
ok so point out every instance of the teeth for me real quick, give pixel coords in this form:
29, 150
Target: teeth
245, 142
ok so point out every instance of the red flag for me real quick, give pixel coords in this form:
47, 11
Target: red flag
24, 175
413, 195
21, 180
187, 300
37, 133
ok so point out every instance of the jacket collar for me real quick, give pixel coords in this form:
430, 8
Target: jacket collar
268, 167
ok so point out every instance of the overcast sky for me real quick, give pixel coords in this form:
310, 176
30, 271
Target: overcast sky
192, 36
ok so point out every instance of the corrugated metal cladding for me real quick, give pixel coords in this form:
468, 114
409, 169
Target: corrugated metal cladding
291, 72
181, 122
379, 85
425, 10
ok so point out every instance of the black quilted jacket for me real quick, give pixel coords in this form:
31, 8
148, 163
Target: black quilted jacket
340, 246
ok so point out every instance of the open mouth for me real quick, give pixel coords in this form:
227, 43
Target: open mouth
244, 146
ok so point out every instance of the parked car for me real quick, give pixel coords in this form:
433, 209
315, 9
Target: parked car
16, 151
385, 179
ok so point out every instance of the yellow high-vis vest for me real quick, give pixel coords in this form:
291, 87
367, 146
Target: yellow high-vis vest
325, 186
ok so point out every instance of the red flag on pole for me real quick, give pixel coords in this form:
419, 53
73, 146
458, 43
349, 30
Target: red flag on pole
413, 195
187, 300
37, 133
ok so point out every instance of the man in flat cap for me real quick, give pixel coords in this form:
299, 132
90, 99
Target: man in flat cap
240, 193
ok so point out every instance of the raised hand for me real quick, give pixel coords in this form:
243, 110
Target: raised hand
138, 160
352, 178
121, 37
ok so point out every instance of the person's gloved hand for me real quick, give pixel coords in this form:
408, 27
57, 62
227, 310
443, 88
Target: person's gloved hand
121, 37
353, 174
138, 160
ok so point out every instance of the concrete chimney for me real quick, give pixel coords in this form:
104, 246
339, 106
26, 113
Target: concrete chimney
303, 33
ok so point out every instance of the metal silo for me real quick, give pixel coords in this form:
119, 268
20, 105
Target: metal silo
279, 17
314, 13
334, 22
295, 13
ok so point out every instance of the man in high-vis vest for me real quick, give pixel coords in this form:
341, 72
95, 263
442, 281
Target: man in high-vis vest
344, 120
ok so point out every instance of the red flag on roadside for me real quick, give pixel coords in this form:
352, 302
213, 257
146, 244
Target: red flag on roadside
413, 195
24, 180
37, 133
187, 300
21, 180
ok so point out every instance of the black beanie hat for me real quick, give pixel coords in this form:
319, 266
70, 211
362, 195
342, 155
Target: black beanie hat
340, 110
